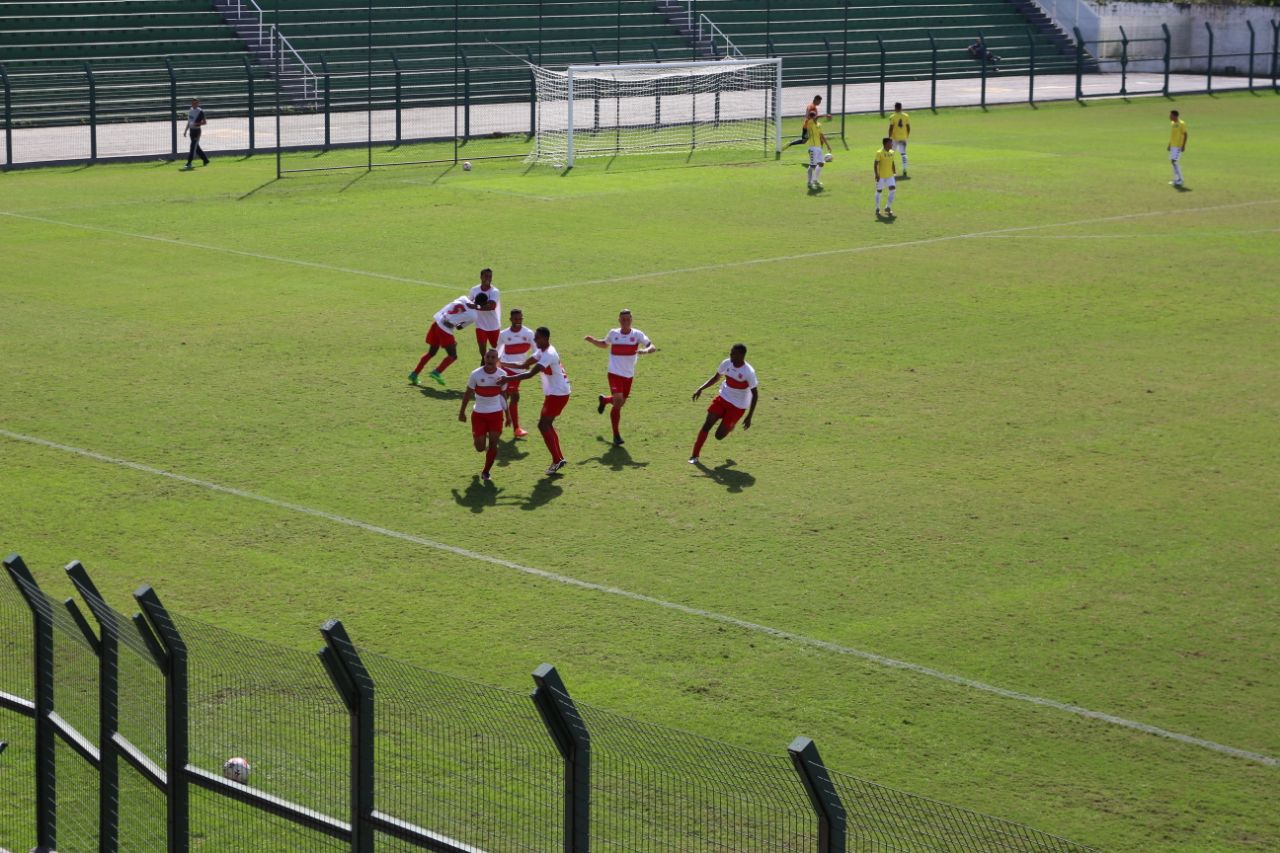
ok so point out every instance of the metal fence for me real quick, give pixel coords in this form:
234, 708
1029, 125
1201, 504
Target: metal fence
118, 730
378, 78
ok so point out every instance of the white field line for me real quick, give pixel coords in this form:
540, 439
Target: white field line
1181, 235
755, 627
874, 247
186, 244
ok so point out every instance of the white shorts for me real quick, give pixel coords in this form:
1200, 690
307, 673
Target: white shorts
900, 145
886, 183
816, 157
1174, 152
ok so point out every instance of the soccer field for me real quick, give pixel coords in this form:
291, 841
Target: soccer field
1003, 532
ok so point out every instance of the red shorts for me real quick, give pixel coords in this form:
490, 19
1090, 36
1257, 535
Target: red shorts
438, 337
620, 385
553, 405
487, 337
728, 412
486, 422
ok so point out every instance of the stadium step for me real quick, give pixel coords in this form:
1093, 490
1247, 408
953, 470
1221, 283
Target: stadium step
1045, 26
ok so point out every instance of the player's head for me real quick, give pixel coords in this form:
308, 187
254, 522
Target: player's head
738, 354
897, 106
195, 102
491, 359
486, 275
482, 300
817, 99
624, 318
888, 143
1173, 115
517, 317
542, 337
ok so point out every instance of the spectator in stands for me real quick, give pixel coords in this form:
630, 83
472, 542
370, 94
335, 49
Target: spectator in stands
979, 51
195, 121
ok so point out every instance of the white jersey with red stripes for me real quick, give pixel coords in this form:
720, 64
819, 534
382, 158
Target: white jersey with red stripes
457, 314
487, 390
623, 350
488, 318
555, 382
514, 348
738, 382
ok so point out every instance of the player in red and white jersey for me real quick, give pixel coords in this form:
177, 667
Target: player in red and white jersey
738, 395
488, 322
545, 364
485, 386
514, 346
625, 344
452, 318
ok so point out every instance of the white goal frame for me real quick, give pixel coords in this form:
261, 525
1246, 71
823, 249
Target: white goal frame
573, 71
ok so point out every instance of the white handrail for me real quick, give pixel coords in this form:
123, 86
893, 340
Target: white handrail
730, 49
261, 16
309, 77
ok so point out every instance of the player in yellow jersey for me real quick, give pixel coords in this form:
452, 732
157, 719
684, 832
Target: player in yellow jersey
899, 130
886, 171
1177, 144
817, 141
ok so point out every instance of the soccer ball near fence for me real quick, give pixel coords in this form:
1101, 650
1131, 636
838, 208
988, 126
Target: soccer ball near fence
466, 165
236, 769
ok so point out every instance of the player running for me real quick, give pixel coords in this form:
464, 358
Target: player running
1177, 144
485, 386
899, 130
452, 318
732, 401
514, 344
817, 141
487, 322
545, 363
810, 111
626, 344
886, 167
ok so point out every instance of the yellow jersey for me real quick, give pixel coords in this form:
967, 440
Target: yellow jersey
886, 164
813, 132
1178, 134
899, 127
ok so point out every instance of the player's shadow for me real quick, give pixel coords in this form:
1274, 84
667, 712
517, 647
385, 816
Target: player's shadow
614, 457
728, 476
440, 393
1180, 188
509, 451
544, 492
478, 496
886, 220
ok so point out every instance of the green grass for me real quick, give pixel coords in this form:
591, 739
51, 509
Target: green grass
1041, 459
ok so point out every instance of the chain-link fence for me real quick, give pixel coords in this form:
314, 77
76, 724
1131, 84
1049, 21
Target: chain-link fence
160, 732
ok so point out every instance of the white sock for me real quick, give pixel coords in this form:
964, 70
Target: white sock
877, 199
904, 164
1177, 172
892, 193
809, 174
817, 173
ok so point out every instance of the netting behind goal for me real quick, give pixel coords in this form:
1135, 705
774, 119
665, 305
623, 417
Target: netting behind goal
608, 110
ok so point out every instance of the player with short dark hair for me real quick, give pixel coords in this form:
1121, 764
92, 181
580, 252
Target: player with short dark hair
625, 344
546, 364
817, 141
487, 323
485, 387
452, 318
814, 108
514, 344
1177, 144
737, 396
195, 124
885, 170
899, 130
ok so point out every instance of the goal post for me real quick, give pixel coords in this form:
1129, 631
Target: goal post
656, 107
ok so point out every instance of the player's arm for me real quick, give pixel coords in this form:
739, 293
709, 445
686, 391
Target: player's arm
528, 374
466, 398
755, 396
1185, 137
705, 385
650, 348
595, 342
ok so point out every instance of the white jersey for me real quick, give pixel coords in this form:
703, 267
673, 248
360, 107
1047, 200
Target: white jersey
623, 350
738, 382
487, 390
514, 348
488, 318
555, 382
456, 314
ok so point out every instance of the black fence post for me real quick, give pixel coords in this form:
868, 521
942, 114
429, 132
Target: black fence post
93, 112
395, 63
249, 90
827, 42
1208, 83
657, 100
1252, 41
108, 649
1031, 67
46, 778
844, 72
173, 108
933, 72
1124, 62
1275, 56
173, 663
822, 795
8, 116
880, 42
355, 686
1079, 63
1168, 44
324, 69
569, 733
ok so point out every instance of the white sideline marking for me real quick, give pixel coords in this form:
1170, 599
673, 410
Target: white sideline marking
190, 245
669, 605
853, 250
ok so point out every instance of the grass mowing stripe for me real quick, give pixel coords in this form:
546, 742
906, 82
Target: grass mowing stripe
853, 250
242, 253
669, 605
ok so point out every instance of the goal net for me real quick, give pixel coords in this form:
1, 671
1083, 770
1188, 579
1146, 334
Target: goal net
608, 110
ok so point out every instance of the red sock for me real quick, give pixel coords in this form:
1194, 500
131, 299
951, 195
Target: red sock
422, 362
549, 437
444, 365
697, 445
515, 414
555, 437
489, 457
615, 416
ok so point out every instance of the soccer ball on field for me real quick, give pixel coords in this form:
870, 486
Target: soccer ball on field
466, 165
236, 769
828, 158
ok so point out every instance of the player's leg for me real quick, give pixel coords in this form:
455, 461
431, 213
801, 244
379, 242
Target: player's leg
1175, 154
491, 454
730, 420
513, 409
422, 362
482, 340
878, 190
451, 355
901, 145
893, 190
712, 417
552, 406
